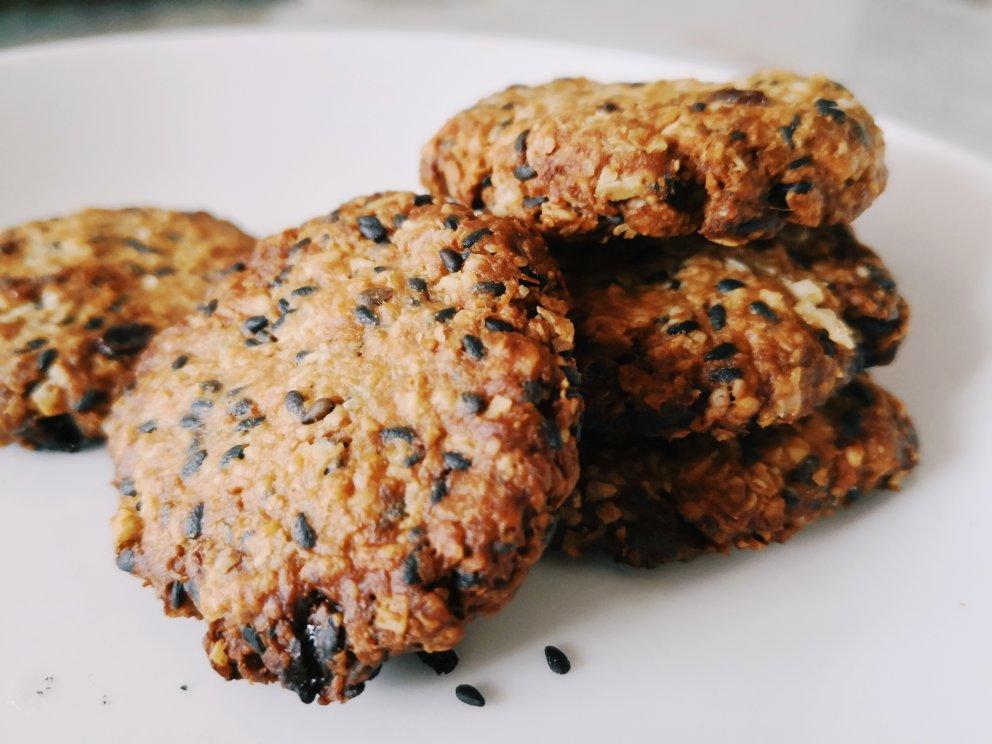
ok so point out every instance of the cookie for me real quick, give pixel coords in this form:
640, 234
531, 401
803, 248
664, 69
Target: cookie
646, 502
682, 335
732, 161
81, 296
364, 446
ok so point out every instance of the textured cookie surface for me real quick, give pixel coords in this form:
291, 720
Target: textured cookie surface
732, 161
683, 336
647, 501
80, 297
363, 447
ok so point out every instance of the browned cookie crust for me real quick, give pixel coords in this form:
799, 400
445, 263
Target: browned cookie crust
647, 502
733, 161
364, 446
685, 336
80, 296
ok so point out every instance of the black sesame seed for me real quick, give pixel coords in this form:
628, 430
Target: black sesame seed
370, 227
473, 347
193, 463
240, 407
354, 691
524, 172
127, 487
439, 489
828, 107
498, 325
190, 421
249, 423
124, 340
456, 461
721, 352
35, 343
294, 403
728, 285
609, 107
411, 570
301, 355
303, 533
473, 402
318, 410
725, 376
800, 162
194, 522
253, 639
685, 326
698, 106
417, 284
366, 316
125, 560
446, 314
148, 426
452, 261
761, 309
535, 391
535, 275
551, 434
180, 361
557, 660
93, 324
442, 662
177, 594
255, 323
46, 358
90, 400
530, 202
737, 135
465, 580
496, 289
397, 432
308, 289
421, 199
210, 386
474, 237
414, 458
520, 143
451, 222
237, 452
234, 268
470, 695
789, 131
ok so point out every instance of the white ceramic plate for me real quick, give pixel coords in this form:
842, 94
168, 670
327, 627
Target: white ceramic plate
871, 626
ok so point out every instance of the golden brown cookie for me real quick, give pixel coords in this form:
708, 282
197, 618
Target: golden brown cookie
647, 501
734, 161
80, 297
364, 447
682, 336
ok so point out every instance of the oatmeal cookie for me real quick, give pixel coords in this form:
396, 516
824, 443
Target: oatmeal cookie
682, 335
647, 501
733, 161
80, 297
363, 447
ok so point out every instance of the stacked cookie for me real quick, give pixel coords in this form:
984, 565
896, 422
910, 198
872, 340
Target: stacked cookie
724, 311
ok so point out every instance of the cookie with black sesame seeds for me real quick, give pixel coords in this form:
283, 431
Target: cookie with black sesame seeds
80, 296
681, 335
733, 161
648, 501
365, 449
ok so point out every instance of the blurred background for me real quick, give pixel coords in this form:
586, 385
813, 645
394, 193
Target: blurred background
928, 62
